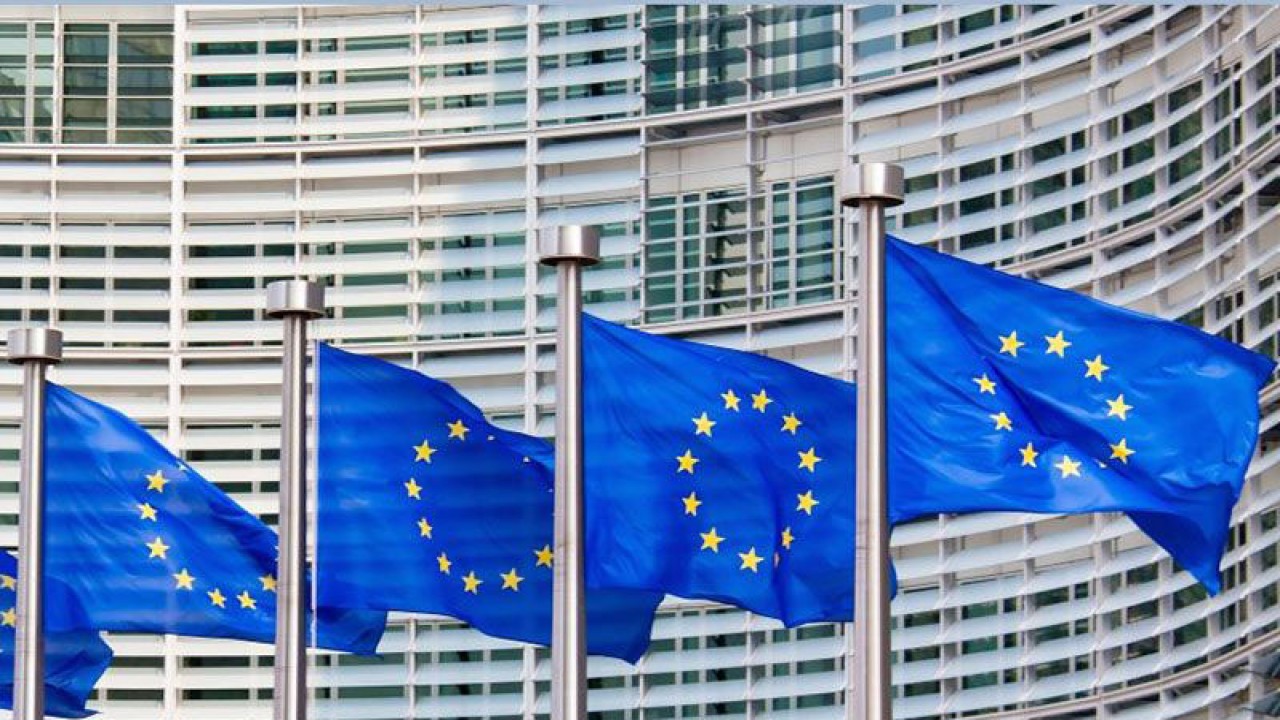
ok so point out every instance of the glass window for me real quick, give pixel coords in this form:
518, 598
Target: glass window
217, 112
144, 82
145, 49
85, 81
144, 113
86, 48
227, 48
13, 79
78, 112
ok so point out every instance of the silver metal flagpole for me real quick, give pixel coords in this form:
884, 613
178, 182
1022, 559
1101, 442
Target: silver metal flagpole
569, 249
296, 302
871, 187
35, 349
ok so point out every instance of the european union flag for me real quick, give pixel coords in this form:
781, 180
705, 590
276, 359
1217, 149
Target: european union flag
426, 507
702, 464
1006, 394
717, 474
150, 546
74, 657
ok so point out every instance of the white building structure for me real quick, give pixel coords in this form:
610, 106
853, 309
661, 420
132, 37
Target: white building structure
160, 165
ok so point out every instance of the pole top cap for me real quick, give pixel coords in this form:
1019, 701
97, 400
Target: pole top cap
37, 344
882, 182
569, 243
295, 297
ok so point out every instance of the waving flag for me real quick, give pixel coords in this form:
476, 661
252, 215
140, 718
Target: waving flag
150, 546
427, 507
74, 657
719, 474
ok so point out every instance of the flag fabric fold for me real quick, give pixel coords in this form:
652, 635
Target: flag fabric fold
1007, 394
717, 474
75, 658
720, 474
150, 546
424, 506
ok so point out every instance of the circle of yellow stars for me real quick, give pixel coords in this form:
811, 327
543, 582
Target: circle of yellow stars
471, 582
158, 549
687, 462
1095, 369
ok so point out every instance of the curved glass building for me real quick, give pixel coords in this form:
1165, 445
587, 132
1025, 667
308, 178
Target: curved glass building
159, 166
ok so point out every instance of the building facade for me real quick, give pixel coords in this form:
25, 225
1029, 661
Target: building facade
160, 165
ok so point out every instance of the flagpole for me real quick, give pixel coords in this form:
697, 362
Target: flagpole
295, 302
871, 187
35, 349
569, 249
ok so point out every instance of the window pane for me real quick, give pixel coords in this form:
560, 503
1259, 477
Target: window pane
144, 113
85, 49
85, 112
86, 81
145, 49
142, 82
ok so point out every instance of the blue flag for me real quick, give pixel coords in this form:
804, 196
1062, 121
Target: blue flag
150, 546
74, 657
719, 474
426, 507
1006, 394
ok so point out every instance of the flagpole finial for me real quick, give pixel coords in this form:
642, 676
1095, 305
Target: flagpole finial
882, 182
569, 243
295, 297
35, 345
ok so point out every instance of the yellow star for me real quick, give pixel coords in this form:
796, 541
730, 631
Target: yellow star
268, 583
158, 548
730, 400
760, 400
711, 541
1002, 421
217, 598
156, 481
423, 452
8, 582
544, 555
246, 601
1068, 467
750, 560
413, 488
471, 583
424, 528
510, 580
148, 512
457, 430
1121, 451
703, 425
1057, 345
1118, 408
790, 423
691, 504
787, 538
9, 617
687, 461
809, 459
1096, 368
1010, 343
185, 579
444, 563
806, 502
1029, 455
985, 385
